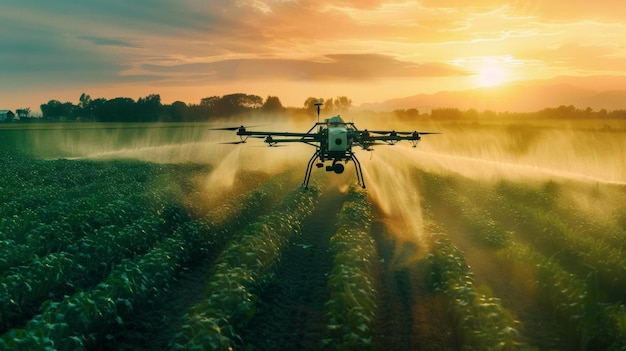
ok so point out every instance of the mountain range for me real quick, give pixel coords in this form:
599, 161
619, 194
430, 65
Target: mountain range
599, 92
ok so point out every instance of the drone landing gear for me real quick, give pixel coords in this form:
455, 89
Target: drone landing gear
335, 167
309, 167
359, 171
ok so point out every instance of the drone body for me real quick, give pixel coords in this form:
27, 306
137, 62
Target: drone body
333, 141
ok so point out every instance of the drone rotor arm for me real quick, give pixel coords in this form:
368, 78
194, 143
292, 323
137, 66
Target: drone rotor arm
273, 134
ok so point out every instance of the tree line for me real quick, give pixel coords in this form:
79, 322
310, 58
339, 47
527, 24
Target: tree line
560, 112
150, 108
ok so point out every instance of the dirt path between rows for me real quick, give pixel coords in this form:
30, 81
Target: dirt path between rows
155, 326
290, 314
410, 315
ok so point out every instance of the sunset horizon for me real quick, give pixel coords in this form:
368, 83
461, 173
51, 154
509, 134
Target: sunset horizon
370, 51
313, 175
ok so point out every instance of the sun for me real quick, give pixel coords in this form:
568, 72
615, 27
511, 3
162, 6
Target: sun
490, 75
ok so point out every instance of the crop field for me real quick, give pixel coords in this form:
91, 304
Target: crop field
490, 236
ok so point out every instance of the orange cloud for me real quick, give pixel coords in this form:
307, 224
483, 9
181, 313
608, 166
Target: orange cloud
328, 67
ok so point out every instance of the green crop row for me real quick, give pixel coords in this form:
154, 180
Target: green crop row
80, 320
548, 230
352, 305
48, 210
608, 229
480, 321
600, 210
476, 220
83, 264
241, 271
592, 324
535, 212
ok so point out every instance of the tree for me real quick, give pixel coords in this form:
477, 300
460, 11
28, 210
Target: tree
233, 104
272, 105
446, 113
23, 112
120, 109
342, 104
51, 109
329, 106
148, 109
309, 104
55, 109
209, 102
97, 108
339, 104
84, 106
178, 111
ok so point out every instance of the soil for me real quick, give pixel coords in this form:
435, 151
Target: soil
155, 325
290, 315
410, 315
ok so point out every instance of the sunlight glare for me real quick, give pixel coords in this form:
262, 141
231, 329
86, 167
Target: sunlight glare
490, 75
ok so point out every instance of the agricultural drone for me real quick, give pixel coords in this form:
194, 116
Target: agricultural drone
333, 142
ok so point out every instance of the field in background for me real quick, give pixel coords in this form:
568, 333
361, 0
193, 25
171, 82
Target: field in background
151, 236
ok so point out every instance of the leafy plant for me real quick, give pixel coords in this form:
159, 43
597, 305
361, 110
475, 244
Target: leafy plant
352, 304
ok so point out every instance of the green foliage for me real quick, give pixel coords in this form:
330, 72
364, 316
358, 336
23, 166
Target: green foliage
243, 268
83, 253
574, 300
536, 214
57, 237
352, 304
476, 220
82, 319
480, 321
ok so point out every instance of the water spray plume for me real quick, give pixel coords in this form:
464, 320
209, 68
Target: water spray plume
223, 175
391, 185
524, 152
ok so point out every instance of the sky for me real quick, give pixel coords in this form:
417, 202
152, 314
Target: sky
367, 50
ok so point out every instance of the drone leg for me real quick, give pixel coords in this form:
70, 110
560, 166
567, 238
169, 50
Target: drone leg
309, 168
359, 171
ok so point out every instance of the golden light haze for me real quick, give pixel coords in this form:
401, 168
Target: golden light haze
367, 50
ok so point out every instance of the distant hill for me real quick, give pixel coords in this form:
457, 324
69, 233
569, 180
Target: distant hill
520, 97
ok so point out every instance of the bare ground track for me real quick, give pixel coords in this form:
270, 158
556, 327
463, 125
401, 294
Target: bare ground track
290, 315
410, 316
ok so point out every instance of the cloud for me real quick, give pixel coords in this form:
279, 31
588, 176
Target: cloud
590, 57
169, 43
27, 51
102, 41
567, 11
329, 67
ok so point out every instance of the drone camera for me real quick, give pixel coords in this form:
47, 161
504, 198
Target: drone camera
337, 168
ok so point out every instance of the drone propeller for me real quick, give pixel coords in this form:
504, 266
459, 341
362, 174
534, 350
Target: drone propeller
393, 132
237, 128
235, 142
225, 128
368, 146
390, 132
270, 145
380, 131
